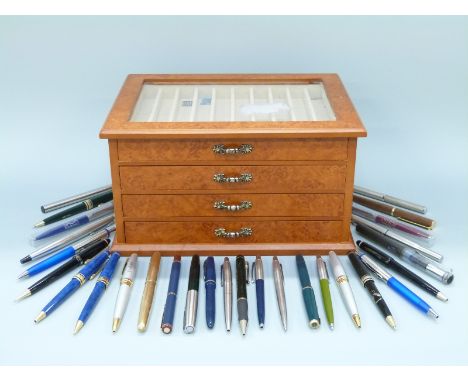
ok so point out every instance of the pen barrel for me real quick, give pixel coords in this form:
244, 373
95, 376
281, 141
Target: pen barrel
369, 284
101, 198
241, 277
92, 267
62, 296
327, 301
260, 293
121, 302
311, 306
109, 269
302, 271
389, 222
242, 309
194, 274
92, 301
190, 312
408, 295
63, 255
413, 277
69, 212
148, 291
73, 223
167, 321
210, 304
348, 296
73, 199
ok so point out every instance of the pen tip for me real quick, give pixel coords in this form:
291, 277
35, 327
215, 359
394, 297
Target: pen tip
78, 326
243, 326
40, 317
391, 322
22, 296
23, 275
357, 320
40, 224
261, 325
332, 326
442, 297
433, 313
115, 324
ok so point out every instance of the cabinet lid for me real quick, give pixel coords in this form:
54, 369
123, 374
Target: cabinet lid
232, 105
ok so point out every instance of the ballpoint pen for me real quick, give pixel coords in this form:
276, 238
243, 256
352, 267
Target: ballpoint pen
242, 272
209, 276
67, 252
258, 279
99, 288
78, 221
191, 302
357, 220
369, 284
82, 206
148, 291
226, 283
78, 280
391, 263
397, 213
79, 258
167, 321
325, 289
390, 199
68, 239
126, 283
278, 278
73, 199
397, 286
408, 255
345, 289
308, 293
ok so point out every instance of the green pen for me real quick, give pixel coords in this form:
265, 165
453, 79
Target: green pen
308, 293
325, 288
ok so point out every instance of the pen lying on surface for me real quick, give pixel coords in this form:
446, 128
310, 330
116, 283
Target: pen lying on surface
148, 291
209, 276
258, 279
308, 293
191, 302
325, 289
73, 199
169, 308
278, 278
226, 283
242, 272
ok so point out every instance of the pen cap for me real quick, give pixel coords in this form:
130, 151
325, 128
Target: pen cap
336, 266
130, 267
194, 275
101, 198
302, 270
209, 272
374, 252
322, 269
91, 268
358, 266
109, 269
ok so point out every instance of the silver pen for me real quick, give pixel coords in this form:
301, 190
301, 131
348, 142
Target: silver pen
390, 199
278, 277
388, 232
191, 302
226, 283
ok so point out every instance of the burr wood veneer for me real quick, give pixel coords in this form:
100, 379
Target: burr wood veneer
233, 164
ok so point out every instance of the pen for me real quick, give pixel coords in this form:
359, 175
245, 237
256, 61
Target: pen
67, 252
345, 289
148, 292
209, 275
126, 283
278, 278
226, 283
82, 206
68, 239
308, 293
99, 288
258, 278
83, 219
191, 302
73, 199
78, 259
390, 199
369, 284
389, 233
325, 289
397, 286
78, 280
169, 308
242, 271
408, 255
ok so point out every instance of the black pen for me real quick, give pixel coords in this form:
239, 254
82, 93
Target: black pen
85, 205
242, 305
80, 258
368, 283
391, 263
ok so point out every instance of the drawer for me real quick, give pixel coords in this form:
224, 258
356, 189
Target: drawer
203, 150
265, 205
204, 232
265, 179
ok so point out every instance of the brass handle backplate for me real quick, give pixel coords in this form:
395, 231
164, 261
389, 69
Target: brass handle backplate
243, 232
242, 178
242, 149
221, 205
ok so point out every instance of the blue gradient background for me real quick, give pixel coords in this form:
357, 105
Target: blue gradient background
408, 79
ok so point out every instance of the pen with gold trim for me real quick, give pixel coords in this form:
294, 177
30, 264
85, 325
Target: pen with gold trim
148, 292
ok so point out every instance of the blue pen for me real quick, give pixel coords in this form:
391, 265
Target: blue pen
258, 278
68, 252
78, 280
101, 285
85, 218
397, 286
169, 309
209, 274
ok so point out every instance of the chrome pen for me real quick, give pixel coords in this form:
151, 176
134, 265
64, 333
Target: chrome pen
226, 283
258, 279
73, 199
278, 278
191, 302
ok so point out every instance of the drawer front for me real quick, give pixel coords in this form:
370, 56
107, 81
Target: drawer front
204, 232
233, 205
229, 150
264, 179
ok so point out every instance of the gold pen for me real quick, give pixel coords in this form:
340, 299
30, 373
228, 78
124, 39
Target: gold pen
148, 292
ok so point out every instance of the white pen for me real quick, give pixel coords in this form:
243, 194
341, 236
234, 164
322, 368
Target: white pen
345, 289
126, 283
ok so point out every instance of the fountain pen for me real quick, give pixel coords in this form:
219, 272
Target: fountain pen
88, 271
368, 283
242, 271
308, 293
209, 276
191, 302
169, 308
148, 291
99, 288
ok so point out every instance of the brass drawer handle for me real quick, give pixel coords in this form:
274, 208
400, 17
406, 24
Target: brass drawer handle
242, 178
221, 205
243, 232
242, 149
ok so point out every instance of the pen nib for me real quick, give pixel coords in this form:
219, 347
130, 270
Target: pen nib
78, 326
442, 297
22, 296
23, 275
390, 321
115, 324
357, 320
243, 326
40, 317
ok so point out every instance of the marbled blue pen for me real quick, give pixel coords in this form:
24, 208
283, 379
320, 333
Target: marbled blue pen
99, 288
78, 280
169, 309
209, 274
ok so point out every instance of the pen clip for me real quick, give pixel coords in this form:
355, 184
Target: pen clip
204, 270
254, 267
222, 275
247, 272
282, 274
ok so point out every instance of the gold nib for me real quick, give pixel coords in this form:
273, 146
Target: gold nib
40, 317
78, 326
390, 321
357, 320
115, 324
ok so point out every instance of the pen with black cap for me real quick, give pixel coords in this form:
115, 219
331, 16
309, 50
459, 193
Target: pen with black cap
242, 271
191, 302
209, 276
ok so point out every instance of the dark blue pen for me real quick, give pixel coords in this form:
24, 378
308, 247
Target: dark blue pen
99, 288
169, 309
209, 274
258, 278
78, 280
